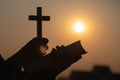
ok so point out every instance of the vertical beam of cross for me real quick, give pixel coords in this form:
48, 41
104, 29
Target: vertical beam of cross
39, 18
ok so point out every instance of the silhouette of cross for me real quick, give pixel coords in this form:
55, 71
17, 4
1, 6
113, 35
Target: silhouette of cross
39, 18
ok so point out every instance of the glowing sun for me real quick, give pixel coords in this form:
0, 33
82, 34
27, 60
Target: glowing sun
79, 27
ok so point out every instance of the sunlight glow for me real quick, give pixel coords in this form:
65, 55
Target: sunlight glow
79, 27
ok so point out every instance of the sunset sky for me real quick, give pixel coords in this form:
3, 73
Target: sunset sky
101, 35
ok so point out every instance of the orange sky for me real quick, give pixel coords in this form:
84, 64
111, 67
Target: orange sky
101, 36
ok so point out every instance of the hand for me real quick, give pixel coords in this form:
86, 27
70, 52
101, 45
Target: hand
33, 46
30, 51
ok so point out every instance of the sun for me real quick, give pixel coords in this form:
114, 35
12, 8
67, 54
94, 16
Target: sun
79, 27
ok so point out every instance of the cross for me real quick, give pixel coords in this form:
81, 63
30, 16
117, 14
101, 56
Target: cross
39, 18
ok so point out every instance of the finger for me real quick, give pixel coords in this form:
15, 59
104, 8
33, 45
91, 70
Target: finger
58, 47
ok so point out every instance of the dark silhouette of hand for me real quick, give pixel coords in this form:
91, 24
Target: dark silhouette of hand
29, 52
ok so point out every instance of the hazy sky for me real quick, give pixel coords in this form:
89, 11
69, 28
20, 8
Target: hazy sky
101, 37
